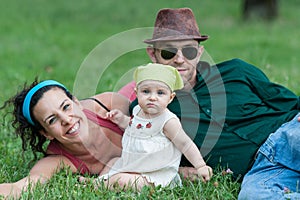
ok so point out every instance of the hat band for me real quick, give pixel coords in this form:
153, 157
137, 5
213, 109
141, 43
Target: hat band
32, 91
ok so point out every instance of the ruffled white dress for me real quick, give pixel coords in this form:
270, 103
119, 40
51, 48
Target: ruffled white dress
146, 150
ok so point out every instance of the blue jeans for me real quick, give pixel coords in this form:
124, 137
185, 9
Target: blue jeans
276, 171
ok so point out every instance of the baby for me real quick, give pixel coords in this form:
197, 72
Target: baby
154, 140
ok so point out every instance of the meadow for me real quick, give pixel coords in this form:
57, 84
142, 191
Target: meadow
92, 46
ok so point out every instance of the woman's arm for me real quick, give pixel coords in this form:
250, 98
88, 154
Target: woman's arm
41, 172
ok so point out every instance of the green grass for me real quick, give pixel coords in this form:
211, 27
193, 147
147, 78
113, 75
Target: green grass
53, 40
66, 186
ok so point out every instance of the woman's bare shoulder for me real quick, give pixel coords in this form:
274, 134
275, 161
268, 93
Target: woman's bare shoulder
109, 96
113, 100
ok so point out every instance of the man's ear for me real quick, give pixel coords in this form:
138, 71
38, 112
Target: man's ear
200, 52
44, 133
151, 53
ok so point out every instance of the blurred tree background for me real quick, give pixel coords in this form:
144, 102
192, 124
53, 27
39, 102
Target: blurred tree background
51, 39
261, 9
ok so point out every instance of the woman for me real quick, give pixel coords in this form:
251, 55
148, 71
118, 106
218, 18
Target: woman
81, 138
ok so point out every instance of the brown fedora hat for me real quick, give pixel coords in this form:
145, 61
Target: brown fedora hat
175, 24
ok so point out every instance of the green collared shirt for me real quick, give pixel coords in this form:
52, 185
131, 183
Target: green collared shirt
231, 111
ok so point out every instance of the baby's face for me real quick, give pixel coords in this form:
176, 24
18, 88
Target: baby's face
153, 96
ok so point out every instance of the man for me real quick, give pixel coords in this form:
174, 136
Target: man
228, 109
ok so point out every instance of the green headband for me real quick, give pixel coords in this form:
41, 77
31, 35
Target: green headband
159, 72
32, 91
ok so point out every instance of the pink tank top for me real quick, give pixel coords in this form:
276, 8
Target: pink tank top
78, 163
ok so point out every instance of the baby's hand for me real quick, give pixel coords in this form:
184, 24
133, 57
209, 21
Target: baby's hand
87, 181
115, 116
112, 113
205, 172
83, 180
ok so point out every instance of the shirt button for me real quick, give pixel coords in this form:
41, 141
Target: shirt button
207, 110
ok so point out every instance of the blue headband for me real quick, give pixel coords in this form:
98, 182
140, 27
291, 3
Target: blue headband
32, 91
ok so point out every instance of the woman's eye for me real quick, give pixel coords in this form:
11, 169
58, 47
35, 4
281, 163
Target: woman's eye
52, 120
66, 107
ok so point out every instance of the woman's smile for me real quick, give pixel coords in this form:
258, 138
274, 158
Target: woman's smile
74, 129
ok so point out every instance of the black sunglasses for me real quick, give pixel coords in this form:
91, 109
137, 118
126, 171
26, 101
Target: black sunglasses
189, 52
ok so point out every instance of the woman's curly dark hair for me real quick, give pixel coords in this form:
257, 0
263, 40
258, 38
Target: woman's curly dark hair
30, 134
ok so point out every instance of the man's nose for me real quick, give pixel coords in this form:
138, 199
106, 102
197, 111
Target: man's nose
179, 58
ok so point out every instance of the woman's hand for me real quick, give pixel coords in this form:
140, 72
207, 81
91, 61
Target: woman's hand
9, 190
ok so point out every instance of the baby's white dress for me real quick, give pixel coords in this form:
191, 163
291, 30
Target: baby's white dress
146, 150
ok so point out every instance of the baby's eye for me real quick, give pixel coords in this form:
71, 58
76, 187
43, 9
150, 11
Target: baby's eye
161, 92
145, 91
